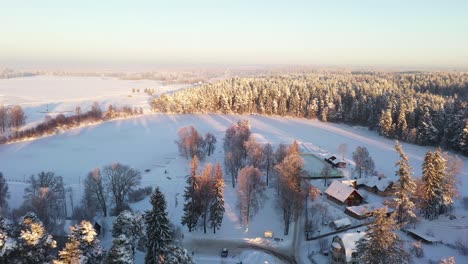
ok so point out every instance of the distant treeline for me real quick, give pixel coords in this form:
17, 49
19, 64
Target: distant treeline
52, 125
416, 107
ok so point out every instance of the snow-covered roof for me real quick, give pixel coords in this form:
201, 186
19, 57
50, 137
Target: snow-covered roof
425, 237
342, 222
349, 182
340, 191
349, 241
381, 183
367, 208
336, 245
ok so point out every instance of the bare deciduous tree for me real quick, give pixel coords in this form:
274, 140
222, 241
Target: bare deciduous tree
269, 160
95, 196
45, 196
363, 161
250, 192
210, 143
342, 148
255, 155
17, 117
3, 118
120, 180
190, 143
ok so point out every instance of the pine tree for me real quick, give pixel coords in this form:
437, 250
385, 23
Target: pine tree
191, 207
217, 206
121, 251
380, 244
403, 199
158, 231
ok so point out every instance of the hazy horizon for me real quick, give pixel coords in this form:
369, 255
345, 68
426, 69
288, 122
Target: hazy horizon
148, 34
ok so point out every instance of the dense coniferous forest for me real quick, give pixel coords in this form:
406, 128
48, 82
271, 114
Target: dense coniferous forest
416, 107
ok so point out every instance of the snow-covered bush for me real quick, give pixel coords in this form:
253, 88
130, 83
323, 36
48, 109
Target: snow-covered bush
139, 194
465, 202
417, 249
450, 260
461, 245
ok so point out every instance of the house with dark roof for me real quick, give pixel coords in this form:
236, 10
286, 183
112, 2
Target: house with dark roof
343, 194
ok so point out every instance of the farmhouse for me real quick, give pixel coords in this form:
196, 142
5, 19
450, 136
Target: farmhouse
343, 248
377, 185
365, 210
343, 194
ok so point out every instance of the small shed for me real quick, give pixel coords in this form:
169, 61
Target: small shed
341, 223
365, 210
422, 237
343, 194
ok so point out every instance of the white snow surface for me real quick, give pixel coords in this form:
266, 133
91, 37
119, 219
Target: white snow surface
51, 95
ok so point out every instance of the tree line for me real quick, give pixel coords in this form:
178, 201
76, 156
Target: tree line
421, 108
15, 118
11, 118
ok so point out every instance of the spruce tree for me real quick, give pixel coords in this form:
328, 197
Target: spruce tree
34, 244
403, 201
7, 240
217, 207
82, 246
463, 138
121, 251
131, 225
386, 127
191, 208
176, 255
433, 184
158, 231
380, 244
89, 243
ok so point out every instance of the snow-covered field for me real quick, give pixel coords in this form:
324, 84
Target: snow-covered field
50, 95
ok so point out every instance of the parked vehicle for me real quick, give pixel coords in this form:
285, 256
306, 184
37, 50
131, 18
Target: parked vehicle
224, 253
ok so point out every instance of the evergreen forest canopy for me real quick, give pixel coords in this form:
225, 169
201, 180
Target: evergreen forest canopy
416, 107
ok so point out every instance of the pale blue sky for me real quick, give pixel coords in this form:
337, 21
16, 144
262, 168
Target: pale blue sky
369, 33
